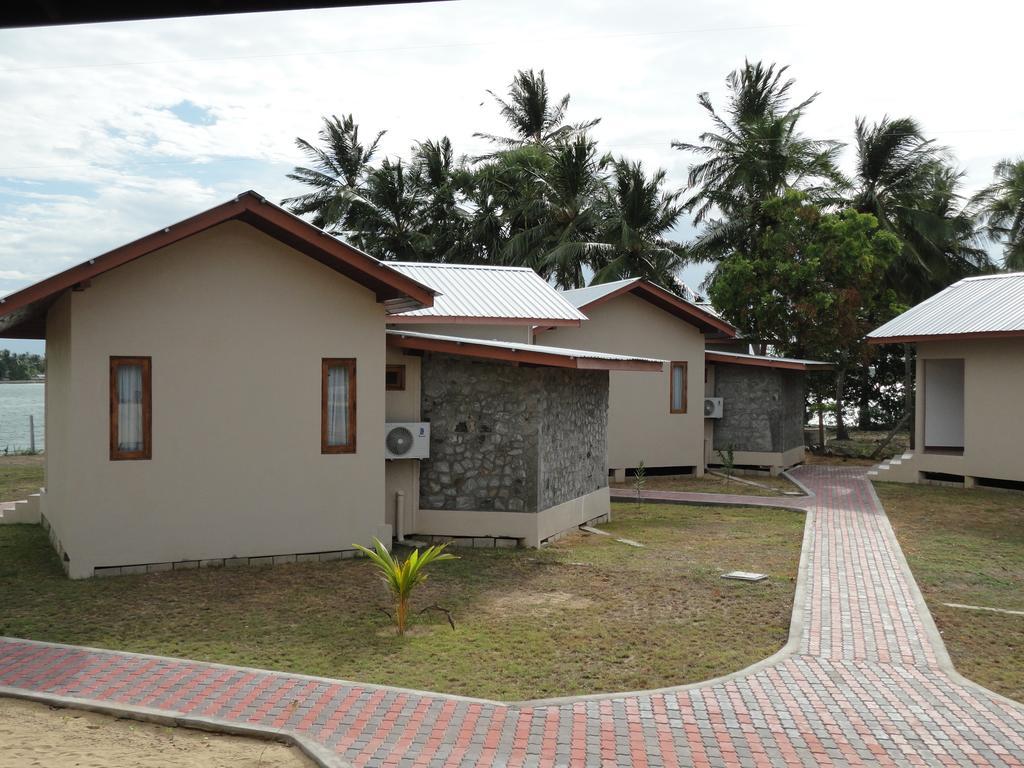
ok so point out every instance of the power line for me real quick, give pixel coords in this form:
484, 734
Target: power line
386, 49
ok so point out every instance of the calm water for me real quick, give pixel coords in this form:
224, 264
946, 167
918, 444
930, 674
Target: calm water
17, 401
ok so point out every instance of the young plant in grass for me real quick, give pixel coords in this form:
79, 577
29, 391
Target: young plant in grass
403, 577
728, 461
639, 480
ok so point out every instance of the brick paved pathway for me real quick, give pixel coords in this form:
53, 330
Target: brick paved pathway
864, 681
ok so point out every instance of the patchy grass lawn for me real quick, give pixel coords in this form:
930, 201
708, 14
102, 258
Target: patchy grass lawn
20, 476
585, 615
714, 484
967, 547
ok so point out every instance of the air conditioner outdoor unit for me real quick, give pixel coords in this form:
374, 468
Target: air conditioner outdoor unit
407, 440
712, 407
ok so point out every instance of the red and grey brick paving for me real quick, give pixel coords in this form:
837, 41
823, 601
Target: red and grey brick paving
865, 680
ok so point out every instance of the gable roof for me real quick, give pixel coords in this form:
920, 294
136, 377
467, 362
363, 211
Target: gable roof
988, 306
765, 361
23, 313
486, 294
525, 354
585, 299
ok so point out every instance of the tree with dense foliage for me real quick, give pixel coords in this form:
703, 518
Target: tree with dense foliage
22, 366
808, 286
754, 152
1001, 208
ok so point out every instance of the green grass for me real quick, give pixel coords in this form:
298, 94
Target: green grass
967, 547
585, 615
20, 476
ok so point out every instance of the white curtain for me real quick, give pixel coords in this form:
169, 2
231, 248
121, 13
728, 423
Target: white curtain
677, 387
129, 408
337, 405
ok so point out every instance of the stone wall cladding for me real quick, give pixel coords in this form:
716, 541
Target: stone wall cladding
573, 448
763, 409
793, 404
508, 438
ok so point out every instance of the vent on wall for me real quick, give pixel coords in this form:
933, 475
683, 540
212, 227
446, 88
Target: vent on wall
712, 407
407, 440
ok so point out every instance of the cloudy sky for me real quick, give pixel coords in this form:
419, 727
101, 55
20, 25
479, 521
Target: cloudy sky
111, 131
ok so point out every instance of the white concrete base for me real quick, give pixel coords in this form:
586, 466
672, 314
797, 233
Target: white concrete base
532, 528
23, 512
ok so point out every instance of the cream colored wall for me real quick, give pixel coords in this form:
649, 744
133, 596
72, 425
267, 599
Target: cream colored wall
993, 418
236, 324
640, 427
58, 411
403, 474
521, 334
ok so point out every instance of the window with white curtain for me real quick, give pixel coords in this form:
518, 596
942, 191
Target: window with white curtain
338, 405
130, 408
677, 396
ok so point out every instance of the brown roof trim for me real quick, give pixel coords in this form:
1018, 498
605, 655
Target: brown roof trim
465, 320
946, 337
670, 303
519, 356
763, 362
22, 314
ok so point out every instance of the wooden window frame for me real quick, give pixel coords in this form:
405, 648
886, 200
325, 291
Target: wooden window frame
400, 371
671, 379
146, 363
325, 365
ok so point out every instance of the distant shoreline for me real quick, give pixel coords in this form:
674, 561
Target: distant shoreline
25, 381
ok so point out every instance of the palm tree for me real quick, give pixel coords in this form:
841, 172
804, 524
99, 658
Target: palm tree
639, 215
387, 220
753, 153
338, 173
567, 214
907, 182
1001, 206
443, 182
532, 114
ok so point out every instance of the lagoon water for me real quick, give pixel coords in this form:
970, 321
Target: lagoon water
17, 401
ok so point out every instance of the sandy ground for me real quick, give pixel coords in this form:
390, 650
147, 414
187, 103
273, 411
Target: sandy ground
36, 735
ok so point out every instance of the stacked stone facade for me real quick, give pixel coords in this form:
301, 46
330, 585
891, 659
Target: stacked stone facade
763, 409
509, 438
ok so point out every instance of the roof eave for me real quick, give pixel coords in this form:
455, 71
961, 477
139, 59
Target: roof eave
469, 348
249, 207
913, 339
668, 302
761, 362
471, 320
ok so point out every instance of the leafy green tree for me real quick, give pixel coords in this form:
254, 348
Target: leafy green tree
1001, 208
811, 285
754, 152
534, 116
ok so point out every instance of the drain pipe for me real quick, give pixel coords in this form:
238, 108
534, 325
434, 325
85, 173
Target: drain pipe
400, 517
400, 523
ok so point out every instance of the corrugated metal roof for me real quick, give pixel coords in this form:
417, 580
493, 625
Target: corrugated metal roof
527, 348
989, 304
487, 293
764, 361
580, 297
